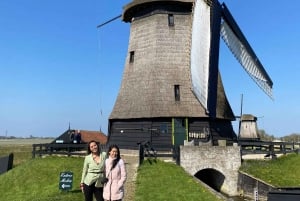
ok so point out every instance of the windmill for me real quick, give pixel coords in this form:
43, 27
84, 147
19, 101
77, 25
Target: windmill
171, 88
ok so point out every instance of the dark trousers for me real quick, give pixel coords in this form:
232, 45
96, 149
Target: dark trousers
113, 200
91, 190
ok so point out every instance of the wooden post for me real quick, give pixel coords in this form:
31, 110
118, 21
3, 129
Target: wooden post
271, 151
33, 151
141, 153
69, 150
40, 151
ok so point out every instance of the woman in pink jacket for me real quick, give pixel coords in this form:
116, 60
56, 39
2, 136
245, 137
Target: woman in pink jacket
115, 172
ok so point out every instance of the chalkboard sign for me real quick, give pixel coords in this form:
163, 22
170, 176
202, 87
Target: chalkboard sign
66, 181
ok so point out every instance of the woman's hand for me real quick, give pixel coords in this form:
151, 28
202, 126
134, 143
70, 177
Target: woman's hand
81, 187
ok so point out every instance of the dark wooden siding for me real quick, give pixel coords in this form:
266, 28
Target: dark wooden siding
129, 132
208, 130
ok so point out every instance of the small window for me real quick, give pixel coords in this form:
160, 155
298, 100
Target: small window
163, 128
131, 58
177, 92
171, 20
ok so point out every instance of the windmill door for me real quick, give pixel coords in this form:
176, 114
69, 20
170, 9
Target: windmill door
179, 130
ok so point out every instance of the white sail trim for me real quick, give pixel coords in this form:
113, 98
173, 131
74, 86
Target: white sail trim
244, 58
200, 49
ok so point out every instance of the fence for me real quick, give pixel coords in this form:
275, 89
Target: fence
268, 148
147, 150
61, 149
284, 194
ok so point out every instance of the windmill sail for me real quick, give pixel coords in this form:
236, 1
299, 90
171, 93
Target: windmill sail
200, 49
243, 52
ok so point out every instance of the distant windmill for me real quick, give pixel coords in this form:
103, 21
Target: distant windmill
172, 89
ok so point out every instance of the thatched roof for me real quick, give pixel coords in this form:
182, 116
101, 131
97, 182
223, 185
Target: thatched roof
161, 61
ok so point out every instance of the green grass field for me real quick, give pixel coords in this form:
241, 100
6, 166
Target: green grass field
282, 172
21, 148
38, 179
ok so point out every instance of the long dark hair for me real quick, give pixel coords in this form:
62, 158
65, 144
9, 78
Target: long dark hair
115, 162
98, 147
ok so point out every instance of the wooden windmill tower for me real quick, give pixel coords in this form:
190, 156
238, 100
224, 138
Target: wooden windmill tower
172, 89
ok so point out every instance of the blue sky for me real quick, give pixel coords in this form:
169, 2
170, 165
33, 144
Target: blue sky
57, 68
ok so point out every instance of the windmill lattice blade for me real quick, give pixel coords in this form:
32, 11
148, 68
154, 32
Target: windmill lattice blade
239, 46
250, 64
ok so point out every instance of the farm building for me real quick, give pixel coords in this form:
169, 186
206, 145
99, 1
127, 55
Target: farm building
80, 136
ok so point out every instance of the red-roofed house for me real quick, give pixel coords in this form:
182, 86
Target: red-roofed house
70, 136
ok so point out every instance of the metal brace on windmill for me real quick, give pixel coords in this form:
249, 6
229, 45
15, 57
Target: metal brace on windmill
172, 89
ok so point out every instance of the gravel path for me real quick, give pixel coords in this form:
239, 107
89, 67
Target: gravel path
131, 162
